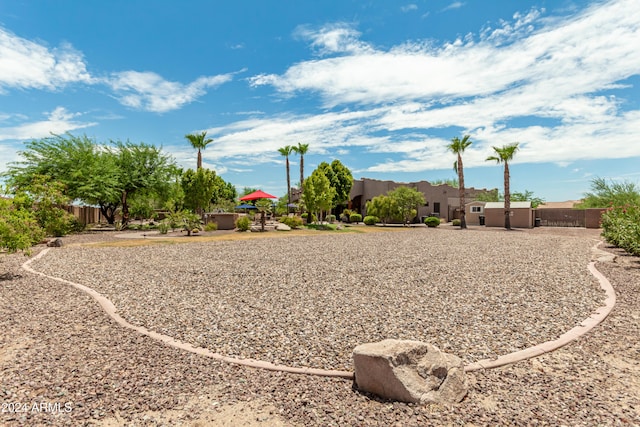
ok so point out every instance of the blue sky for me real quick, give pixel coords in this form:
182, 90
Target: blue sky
382, 86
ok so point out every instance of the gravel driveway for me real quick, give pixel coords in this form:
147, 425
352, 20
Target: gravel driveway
307, 301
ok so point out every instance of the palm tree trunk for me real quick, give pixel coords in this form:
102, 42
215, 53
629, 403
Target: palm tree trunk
199, 159
302, 184
463, 219
288, 186
507, 198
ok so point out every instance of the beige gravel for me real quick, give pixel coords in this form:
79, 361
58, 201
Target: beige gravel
512, 290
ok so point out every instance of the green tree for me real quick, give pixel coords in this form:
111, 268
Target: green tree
88, 172
199, 187
504, 155
340, 179
457, 147
489, 196
527, 196
264, 207
453, 182
385, 208
301, 149
407, 200
604, 194
199, 141
318, 194
286, 152
141, 168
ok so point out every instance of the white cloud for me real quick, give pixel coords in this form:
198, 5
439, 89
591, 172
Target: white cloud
549, 74
454, 5
58, 121
25, 64
149, 91
409, 8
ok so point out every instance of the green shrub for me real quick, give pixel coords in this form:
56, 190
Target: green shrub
132, 226
331, 218
292, 221
163, 227
212, 226
621, 227
371, 220
330, 227
77, 226
432, 221
345, 215
456, 222
355, 217
243, 223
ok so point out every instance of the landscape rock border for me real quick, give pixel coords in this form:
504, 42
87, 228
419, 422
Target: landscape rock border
584, 327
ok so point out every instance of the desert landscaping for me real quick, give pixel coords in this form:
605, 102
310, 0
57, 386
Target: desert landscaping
307, 301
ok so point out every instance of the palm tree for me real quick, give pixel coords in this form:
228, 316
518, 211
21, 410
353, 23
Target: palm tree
458, 146
302, 149
286, 151
199, 141
504, 155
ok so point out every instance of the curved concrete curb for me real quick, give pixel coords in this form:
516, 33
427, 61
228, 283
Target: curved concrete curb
110, 309
585, 326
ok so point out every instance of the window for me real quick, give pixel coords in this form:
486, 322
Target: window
436, 207
476, 209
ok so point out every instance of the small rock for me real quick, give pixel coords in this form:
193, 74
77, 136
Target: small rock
56, 243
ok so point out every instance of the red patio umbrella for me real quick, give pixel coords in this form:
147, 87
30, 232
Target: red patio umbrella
257, 195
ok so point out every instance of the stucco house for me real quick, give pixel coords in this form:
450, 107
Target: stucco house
440, 200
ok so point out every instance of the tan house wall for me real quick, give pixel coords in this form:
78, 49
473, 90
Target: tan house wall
439, 198
520, 217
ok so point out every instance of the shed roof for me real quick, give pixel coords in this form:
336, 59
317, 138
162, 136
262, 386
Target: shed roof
514, 205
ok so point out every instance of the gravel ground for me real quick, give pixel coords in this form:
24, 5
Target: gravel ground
308, 301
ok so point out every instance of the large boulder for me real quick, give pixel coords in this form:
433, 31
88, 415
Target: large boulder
409, 371
282, 227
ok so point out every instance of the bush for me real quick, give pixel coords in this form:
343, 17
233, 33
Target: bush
191, 222
212, 226
355, 217
432, 221
456, 222
243, 223
292, 221
331, 218
163, 227
371, 220
621, 227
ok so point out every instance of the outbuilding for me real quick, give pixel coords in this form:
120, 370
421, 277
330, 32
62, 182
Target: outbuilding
522, 215
474, 212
